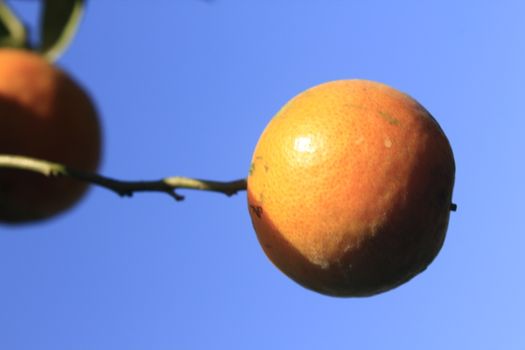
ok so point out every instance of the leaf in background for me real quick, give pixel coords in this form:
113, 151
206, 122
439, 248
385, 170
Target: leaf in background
59, 22
12, 30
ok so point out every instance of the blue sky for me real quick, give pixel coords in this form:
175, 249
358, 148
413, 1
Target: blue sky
185, 88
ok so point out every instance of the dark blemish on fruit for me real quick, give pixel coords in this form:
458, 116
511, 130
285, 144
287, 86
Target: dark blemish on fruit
389, 118
268, 246
252, 169
257, 210
266, 167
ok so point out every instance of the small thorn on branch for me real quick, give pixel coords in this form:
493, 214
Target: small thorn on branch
175, 195
453, 207
126, 193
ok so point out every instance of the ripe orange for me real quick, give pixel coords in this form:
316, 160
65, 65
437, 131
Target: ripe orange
350, 188
43, 114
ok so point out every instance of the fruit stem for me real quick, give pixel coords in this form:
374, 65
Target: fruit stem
167, 185
12, 29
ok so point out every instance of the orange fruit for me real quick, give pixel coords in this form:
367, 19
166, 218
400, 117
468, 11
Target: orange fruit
350, 188
43, 114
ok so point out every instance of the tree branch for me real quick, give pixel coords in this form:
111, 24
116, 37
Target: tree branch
167, 185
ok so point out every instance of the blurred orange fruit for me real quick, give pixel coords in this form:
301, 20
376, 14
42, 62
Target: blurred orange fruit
43, 114
350, 188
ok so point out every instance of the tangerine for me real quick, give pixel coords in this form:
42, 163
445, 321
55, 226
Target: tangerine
44, 114
350, 188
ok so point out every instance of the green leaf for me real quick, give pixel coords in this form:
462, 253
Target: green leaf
59, 22
12, 30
